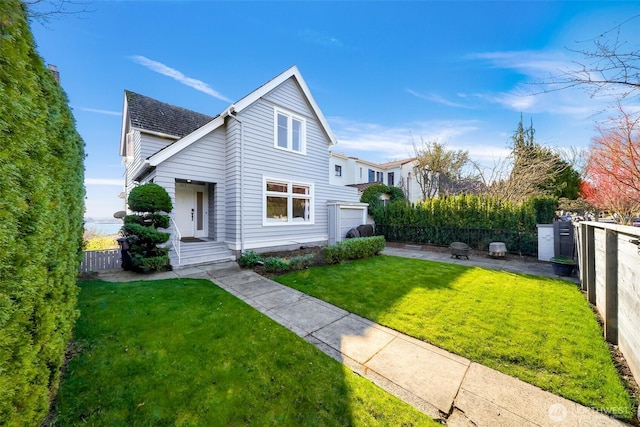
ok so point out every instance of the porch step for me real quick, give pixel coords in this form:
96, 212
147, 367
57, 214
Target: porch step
198, 253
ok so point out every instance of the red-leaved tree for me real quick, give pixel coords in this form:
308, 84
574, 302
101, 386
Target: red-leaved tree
613, 166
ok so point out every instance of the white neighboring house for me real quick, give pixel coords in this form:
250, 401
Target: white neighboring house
359, 173
254, 177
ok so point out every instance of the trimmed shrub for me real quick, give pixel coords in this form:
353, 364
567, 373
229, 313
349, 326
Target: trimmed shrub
249, 259
149, 200
41, 225
149, 197
273, 264
301, 262
357, 248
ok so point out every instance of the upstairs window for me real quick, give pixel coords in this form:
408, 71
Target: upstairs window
338, 170
390, 179
378, 176
289, 132
372, 175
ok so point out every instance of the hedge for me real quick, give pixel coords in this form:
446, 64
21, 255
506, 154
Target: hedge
358, 248
41, 213
474, 219
468, 210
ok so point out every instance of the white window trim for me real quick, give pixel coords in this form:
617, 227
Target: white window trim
338, 170
289, 195
303, 131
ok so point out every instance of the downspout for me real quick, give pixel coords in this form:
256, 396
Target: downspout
232, 113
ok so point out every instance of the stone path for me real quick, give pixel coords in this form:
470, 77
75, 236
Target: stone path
442, 385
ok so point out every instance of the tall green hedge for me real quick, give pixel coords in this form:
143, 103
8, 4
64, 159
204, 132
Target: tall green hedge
474, 219
468, 210
41, 210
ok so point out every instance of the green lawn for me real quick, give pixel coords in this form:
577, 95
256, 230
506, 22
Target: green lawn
184, 352
538, 329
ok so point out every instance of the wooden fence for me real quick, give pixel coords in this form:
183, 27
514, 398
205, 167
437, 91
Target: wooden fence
106, 259
609, 256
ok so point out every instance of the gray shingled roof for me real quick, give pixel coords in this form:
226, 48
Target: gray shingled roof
153, 115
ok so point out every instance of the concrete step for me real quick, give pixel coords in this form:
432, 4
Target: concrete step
200, 253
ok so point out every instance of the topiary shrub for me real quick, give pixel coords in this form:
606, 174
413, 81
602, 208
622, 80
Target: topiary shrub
149, 197
149, 201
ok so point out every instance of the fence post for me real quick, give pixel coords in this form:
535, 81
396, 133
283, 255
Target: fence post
590, 260
611, 287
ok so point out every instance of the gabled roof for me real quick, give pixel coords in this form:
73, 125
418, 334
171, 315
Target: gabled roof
397, 163
152, 115
363, 186
237, 107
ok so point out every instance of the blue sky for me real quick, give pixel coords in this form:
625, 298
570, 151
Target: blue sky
384, 73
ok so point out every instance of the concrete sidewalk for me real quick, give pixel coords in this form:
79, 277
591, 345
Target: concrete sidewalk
443, 385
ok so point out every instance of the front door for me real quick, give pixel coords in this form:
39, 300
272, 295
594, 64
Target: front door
191, 209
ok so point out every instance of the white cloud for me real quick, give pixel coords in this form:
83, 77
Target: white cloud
104, 181
535, 93
377, 143
98, 111
165, 70
529, 63
437, 98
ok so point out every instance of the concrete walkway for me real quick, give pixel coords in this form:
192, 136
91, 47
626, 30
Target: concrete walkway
442, 385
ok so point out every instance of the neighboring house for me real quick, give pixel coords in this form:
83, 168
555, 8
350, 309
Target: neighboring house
254, 177
359, 173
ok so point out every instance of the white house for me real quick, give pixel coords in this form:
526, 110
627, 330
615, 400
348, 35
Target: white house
252, 177
352, 171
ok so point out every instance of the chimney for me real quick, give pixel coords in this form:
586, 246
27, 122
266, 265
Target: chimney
54, 72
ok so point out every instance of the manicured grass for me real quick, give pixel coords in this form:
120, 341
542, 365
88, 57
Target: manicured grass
185, 352
538, 329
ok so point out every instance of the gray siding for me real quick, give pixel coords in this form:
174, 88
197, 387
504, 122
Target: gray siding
201, 161
262, 159
289, 96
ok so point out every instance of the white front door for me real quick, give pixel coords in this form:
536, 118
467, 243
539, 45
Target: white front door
191, 209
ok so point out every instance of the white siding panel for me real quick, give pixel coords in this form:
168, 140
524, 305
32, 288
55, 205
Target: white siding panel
201, 161
150, 145
289, 95
262, 159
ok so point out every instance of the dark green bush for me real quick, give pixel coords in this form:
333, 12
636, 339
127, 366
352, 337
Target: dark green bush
545, 208
148, 200
149, 197
41, 210
146, 234
249, 259
358, 248
372, 196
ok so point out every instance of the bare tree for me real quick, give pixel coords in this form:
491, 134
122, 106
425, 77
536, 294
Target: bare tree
435, 164
44, 10
610, 66
529, 170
